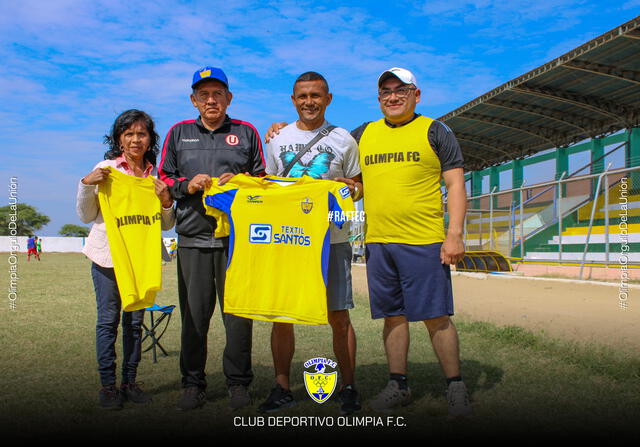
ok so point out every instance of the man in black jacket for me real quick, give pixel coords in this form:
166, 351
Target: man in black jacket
193, 152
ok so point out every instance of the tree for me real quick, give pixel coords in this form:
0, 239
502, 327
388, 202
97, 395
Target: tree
71, 230
21, 219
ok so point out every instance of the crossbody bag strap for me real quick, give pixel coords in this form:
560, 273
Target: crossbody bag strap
323, 133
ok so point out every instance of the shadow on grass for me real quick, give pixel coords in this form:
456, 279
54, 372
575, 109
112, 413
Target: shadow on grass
426, 379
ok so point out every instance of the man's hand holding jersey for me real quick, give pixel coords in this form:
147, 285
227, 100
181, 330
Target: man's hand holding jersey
224, 178
354, 184
199, 183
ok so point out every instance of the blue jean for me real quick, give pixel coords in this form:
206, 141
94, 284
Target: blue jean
109, 307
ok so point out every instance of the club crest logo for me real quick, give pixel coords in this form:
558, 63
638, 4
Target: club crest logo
307, 205
232, 140
320, 378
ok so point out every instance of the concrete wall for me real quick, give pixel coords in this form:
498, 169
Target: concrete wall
49, 244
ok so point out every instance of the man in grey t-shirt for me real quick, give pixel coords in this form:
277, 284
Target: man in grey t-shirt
334, 157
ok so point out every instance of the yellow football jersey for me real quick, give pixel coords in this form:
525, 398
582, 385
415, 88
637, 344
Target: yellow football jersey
278, 244
132, 215
401, 174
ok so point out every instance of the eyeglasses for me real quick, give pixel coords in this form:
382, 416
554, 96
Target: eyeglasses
401, 92
203, 96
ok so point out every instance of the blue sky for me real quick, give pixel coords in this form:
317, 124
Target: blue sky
70, 66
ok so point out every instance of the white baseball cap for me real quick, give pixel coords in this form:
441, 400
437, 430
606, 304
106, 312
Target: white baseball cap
401, 73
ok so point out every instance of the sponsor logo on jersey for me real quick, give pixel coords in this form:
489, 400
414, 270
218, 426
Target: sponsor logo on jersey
306, 205
254, 199
260, 233
232, 140
288, 235
190, 140
344, 192
320, 378
291, 236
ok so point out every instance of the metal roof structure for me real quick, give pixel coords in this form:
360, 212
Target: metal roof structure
592, 90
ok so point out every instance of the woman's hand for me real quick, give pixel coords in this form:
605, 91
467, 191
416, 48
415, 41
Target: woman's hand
162, 191
96, 176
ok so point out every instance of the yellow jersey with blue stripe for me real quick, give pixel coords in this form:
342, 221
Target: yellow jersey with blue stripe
278, 244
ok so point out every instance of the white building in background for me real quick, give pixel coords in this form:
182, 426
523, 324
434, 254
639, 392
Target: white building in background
51, 244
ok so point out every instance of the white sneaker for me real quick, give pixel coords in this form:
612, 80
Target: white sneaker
391, 397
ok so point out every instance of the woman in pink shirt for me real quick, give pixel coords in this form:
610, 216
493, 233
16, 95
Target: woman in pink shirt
133, 147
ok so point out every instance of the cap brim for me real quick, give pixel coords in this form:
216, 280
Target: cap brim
386, 75
211, 78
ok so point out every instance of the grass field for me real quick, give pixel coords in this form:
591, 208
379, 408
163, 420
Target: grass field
523, 386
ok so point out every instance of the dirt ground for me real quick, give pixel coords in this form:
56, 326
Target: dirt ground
586, 312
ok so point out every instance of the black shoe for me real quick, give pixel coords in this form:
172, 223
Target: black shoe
132, 392
192, 398
110, 398
238, 397
278, 399
349, 402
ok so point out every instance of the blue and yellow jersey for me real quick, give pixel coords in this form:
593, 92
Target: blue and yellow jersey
278, 244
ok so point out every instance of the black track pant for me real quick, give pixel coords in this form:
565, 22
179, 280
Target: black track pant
201, 273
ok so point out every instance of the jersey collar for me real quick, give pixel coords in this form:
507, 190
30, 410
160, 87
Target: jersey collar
224, 127
393, 126
275, 180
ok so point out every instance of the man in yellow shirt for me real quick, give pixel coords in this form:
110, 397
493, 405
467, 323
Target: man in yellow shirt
403, 158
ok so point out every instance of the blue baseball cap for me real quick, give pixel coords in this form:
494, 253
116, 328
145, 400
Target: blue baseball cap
209, 73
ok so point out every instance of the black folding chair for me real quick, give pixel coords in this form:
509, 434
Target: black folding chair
157, 325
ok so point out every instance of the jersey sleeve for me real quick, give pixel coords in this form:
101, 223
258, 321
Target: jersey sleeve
341, 206
357, 133
217, 201
351, 164
445, 145
168, 167
256, 162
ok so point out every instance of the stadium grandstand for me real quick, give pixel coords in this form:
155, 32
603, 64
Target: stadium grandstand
580, 220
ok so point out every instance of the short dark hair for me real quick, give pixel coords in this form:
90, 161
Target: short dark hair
311, 76
125, 120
